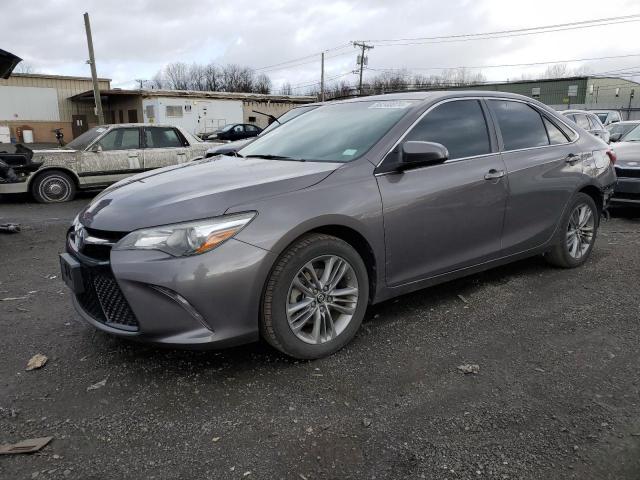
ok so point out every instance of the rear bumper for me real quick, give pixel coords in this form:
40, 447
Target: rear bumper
627, 191
205, 301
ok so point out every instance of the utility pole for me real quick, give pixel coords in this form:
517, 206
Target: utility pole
362, 60
94, 75
322, 77
140, 81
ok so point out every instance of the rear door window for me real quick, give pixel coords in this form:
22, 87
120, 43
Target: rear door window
521, 126
458, 125
161, 137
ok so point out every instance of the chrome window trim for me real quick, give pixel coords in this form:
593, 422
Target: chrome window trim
446, 100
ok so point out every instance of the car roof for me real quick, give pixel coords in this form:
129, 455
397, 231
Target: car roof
131, 125
586, 112
434, 95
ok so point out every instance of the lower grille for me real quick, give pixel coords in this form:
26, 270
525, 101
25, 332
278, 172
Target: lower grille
628, 172
104, 301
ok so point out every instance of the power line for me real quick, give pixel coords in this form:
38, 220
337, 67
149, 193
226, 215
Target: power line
315, 60
314, 55
506, 33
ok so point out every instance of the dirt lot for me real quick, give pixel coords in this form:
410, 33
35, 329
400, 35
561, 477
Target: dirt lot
557, 395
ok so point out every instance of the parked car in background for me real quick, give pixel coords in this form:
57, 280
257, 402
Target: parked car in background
101, 156
352, 203
232, 147
617, 131
627, 190
607, 117
589, 122
232, 132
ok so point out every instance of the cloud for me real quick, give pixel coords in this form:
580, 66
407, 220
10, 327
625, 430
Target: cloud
135, 38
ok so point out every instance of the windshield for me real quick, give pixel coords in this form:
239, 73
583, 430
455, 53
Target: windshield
83, 141
287, 117
602, 116
622, 128
332, 133
226, 128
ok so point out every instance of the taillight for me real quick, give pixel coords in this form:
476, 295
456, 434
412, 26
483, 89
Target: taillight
612, 156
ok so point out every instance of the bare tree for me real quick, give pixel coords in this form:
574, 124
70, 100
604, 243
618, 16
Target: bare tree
176, 76
262, 84
157, 81
24, 67
286, 89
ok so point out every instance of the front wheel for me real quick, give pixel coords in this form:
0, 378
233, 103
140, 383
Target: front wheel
315, 298
53, 186
580, 226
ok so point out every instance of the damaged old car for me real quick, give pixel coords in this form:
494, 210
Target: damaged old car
99, 157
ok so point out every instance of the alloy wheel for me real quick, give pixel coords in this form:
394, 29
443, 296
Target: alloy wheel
322, 299
580, 230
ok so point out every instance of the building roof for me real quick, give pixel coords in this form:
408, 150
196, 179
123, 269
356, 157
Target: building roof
259, 97
57, 77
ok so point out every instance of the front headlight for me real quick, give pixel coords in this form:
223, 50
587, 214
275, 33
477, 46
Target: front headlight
189, 238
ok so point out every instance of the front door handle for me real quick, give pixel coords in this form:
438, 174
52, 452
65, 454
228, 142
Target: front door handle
572, 158
494, 174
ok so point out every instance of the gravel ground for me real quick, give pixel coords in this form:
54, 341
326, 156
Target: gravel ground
557, 394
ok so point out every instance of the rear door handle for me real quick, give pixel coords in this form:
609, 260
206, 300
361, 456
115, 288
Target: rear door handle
494, 174
572, 158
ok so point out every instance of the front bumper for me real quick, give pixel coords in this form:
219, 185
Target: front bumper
627, 191
17, 187
205, 301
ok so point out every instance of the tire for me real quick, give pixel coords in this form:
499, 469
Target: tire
53, 186
334, 315
564, 254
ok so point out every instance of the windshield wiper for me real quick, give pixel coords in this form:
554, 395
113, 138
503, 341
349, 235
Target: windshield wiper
275, 157
268, 115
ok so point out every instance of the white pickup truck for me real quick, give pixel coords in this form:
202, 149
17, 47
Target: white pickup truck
99, 157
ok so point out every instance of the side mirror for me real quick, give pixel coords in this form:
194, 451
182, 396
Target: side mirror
417, 154
615, 137
97, 148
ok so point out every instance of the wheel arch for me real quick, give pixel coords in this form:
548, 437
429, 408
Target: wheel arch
595, 193
347, 232
43, 171
38, 173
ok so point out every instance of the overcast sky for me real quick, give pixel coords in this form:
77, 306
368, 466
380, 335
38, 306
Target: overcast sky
135, 38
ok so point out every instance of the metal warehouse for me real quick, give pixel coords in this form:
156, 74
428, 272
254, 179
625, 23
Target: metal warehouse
586, 92
42, 102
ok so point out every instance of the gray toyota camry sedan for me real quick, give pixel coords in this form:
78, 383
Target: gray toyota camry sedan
348, 205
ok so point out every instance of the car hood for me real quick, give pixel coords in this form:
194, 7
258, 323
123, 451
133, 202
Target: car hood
196, 190
626, 151
222, 148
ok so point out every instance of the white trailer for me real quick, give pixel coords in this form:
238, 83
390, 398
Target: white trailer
194, 115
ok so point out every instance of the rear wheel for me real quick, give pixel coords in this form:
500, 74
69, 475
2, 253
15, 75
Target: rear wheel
53, 186
315, 298
580, 226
